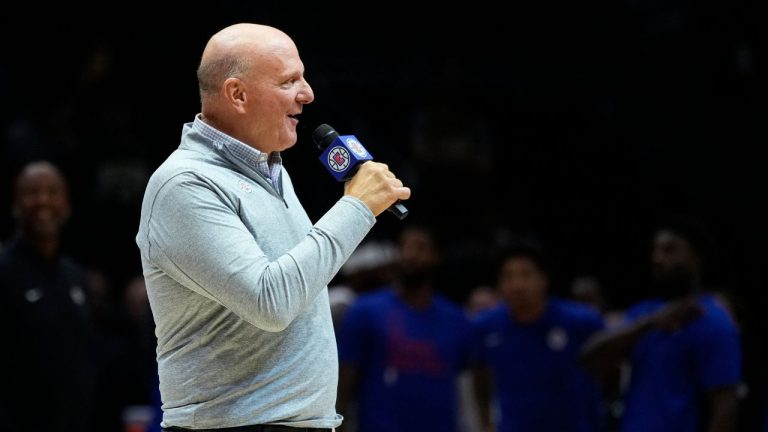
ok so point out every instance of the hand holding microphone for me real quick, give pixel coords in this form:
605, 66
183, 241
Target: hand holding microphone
373, 182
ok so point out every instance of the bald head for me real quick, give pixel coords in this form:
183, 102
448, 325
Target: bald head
232, 52
36, 170
252, 86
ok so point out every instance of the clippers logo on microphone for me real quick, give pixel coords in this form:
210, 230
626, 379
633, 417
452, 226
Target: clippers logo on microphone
356, 147
338, 158
342, 154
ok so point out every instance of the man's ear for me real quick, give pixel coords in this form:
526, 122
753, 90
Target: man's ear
235, 93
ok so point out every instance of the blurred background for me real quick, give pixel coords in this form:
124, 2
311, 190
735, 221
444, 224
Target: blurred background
585, 122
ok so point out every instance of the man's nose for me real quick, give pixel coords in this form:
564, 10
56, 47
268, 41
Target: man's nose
306, 95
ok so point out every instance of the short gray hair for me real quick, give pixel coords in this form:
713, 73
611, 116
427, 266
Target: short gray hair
211, 73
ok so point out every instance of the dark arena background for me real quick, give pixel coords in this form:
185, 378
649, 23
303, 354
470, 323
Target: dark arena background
582, 122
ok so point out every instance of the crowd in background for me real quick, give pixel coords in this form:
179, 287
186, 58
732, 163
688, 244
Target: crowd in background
507, 357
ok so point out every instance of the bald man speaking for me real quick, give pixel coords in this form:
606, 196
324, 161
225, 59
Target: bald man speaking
235, 270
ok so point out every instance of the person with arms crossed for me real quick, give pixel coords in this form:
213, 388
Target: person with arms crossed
235, 270
682, 344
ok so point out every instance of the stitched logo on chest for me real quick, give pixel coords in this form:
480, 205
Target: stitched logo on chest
557, 339
245, 186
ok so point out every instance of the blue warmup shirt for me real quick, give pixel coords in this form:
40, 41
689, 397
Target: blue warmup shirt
672, 372
538, 383
408, 362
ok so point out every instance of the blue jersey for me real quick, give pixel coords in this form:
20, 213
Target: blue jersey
672, 371
538, 382
408, 362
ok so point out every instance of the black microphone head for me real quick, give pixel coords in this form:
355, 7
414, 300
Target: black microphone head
324, 135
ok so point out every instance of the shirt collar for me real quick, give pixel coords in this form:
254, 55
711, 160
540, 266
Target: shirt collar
268, 164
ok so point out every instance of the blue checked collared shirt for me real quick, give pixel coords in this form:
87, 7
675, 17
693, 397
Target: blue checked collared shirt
269, 165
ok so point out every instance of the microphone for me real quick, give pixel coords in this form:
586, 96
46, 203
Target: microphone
342, 156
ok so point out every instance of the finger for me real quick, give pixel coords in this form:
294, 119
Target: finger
403, 193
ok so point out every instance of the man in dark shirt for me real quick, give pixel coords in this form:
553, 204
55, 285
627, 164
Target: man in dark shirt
44, 322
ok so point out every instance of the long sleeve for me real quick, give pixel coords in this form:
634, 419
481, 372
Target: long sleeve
198, 238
